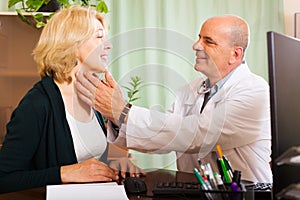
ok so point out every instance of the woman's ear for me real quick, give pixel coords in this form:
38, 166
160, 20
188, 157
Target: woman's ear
78, 57
76, 62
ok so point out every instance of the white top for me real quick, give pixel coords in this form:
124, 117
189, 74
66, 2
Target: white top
237, 118
88, 138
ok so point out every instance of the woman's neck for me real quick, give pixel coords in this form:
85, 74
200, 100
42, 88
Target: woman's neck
73, 104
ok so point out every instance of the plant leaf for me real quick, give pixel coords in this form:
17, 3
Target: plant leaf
33, 5
85, 2
40, 24
102, 7
38, 17
11, 3
135, 82
22, 17
65, 3
134, 92
49, 17
134, 99
46, 1
127, 88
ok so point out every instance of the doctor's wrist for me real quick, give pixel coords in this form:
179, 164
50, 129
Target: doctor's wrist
124, 114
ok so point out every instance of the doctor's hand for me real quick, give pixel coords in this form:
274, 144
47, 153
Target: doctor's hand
105, 96
91, 170
124, 165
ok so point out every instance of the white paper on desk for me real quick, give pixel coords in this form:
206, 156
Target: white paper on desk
91, 191
295, 159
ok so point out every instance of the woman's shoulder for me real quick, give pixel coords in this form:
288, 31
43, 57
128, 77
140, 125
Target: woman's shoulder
37, 97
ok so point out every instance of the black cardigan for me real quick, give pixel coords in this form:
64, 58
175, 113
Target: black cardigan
38, 140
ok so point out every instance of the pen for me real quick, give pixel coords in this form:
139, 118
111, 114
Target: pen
235, 188
201, 167
237, 176
211, 176
219, 151
228, 166
219, 181
207, 183
200, 179
202, 183
224, 169
220, 184
220, 167
214, 196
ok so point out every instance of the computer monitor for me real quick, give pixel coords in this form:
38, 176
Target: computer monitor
284, 79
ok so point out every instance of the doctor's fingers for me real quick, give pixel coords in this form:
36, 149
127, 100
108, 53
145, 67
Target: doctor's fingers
92, 78
104, 91
88, 82
110, 80
135, 171
125, 165
84, 94
95, 168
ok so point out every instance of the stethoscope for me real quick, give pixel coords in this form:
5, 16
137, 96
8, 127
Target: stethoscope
203, 89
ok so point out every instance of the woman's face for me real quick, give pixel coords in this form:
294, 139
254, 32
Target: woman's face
92, 53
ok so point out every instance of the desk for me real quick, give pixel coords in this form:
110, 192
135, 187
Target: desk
152, 177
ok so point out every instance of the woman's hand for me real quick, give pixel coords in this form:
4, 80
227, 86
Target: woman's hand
91, 170
125, 165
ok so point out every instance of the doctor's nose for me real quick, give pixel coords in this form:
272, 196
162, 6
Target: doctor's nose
197, 46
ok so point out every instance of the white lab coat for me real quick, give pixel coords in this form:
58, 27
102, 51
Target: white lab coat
237, 118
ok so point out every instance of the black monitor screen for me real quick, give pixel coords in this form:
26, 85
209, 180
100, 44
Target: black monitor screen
284, 79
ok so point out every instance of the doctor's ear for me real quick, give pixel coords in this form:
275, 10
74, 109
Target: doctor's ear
237, 54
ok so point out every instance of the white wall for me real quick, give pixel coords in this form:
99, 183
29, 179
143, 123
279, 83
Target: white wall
3, 5
290, 8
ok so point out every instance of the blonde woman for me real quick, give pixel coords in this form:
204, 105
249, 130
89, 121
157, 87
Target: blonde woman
54, 137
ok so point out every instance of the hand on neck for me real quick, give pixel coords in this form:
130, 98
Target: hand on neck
74, 105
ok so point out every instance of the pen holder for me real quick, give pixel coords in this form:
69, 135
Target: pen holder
228, 193
249, 185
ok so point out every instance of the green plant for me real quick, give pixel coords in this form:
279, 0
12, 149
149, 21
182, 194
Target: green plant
132, 91
39, 19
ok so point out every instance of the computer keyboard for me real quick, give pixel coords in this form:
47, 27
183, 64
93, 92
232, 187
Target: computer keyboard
177, 188
189, 189
261, 190
263, 186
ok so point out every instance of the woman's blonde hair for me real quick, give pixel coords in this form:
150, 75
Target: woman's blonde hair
56, 51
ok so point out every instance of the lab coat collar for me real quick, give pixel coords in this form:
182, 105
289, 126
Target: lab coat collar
238, 75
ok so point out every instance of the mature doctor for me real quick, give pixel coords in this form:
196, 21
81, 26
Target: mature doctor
230, 107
